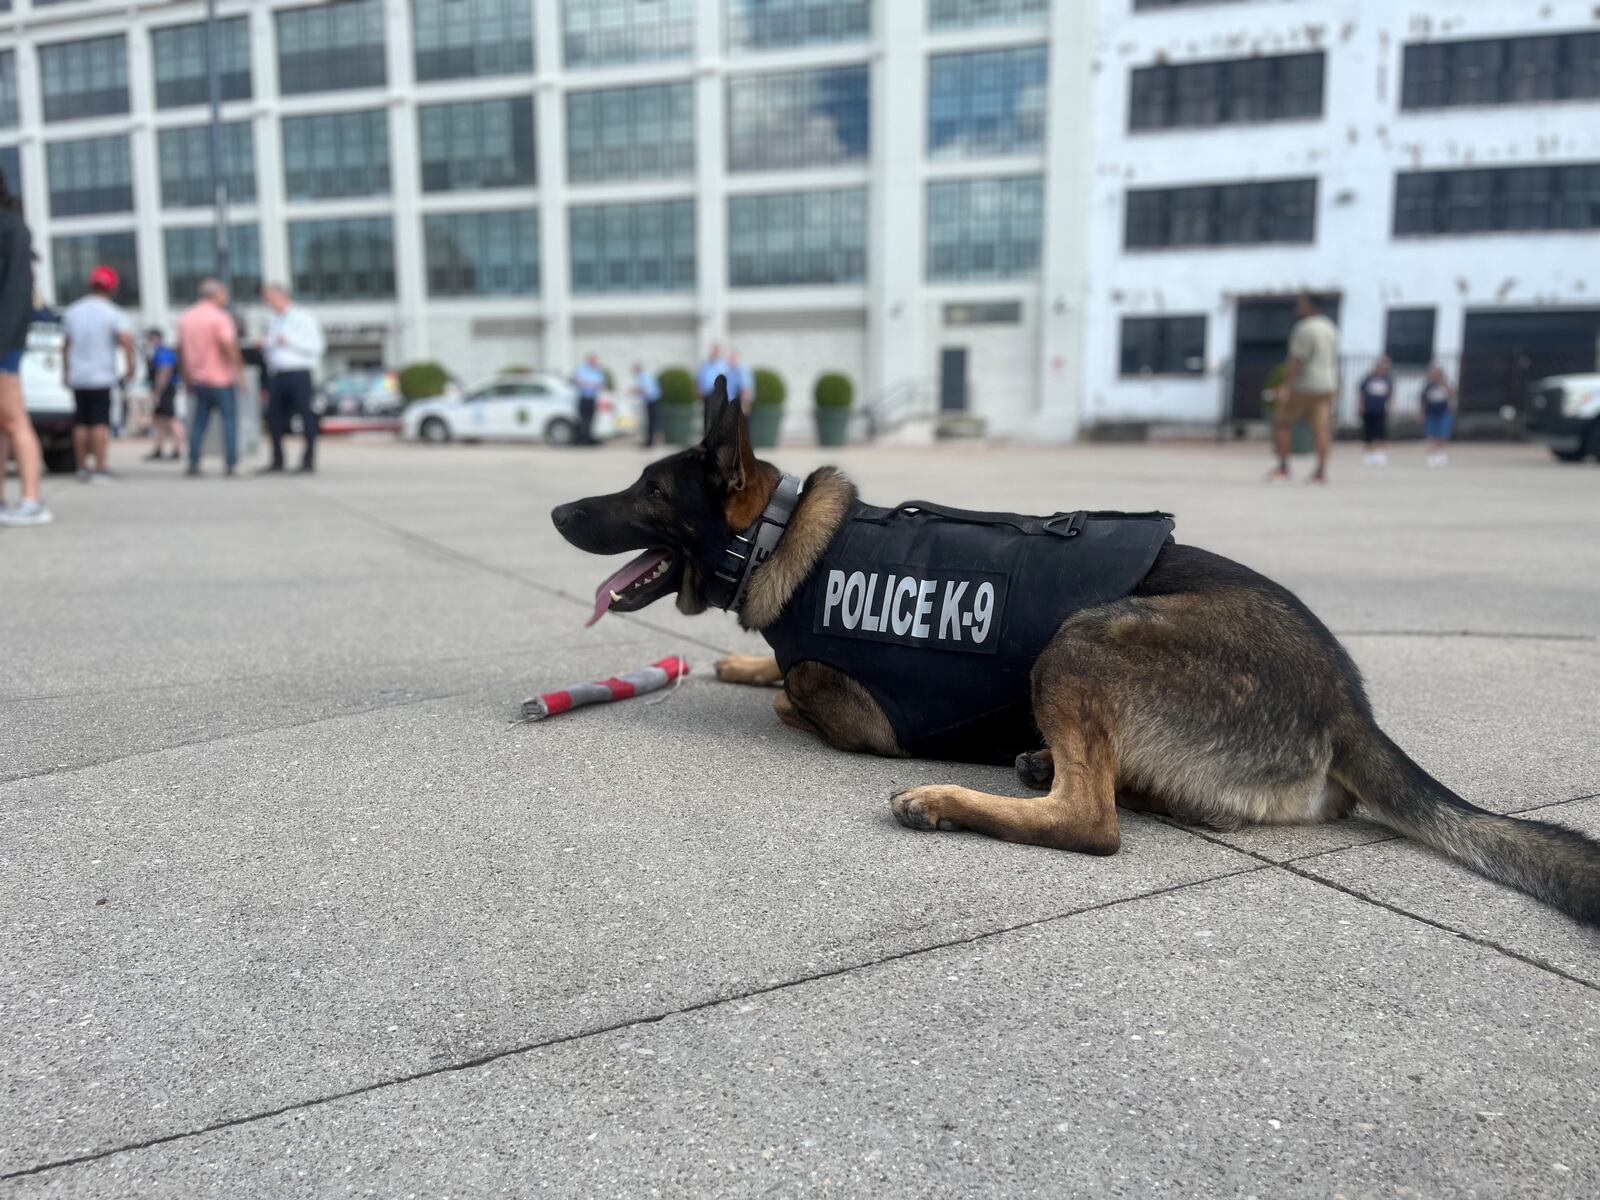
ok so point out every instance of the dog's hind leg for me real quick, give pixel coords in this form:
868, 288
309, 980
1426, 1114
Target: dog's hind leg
757, 670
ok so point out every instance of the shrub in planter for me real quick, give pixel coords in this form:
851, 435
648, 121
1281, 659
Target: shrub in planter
516, 369
679, 405
423, 381
766, 415
834, 395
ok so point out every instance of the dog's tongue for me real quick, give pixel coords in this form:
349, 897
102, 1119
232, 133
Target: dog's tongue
632, 573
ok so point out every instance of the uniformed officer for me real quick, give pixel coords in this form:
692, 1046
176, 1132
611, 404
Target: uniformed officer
590, 381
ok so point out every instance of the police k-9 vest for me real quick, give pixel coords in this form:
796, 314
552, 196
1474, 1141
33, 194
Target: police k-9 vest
940, 613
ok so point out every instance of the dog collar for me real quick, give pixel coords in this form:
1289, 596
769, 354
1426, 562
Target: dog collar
748, 550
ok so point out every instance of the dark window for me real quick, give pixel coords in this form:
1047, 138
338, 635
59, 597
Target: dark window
763, 24
8, 89
482, 253
331, 47
1236, 92
11, 169
478, 144
74, 255
1163, 345
1408, 336
987, 102
84, 79
471, 39
192, 256
995, 312
1516, 70
185, 165
600, 33
968, 14
336, 154
89, 175
633, 247
178, 55
984, 229
798, 119
800, 238
1227, 214
1497, 200
342, 259
630, 133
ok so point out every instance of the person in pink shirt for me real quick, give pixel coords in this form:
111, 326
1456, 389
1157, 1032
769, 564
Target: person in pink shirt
209, 362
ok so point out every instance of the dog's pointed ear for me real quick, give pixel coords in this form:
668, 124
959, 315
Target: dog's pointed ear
727, 440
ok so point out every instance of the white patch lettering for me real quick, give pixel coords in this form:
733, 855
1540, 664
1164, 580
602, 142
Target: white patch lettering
857, 585
834, 594
902, 618
919, 627
950, 611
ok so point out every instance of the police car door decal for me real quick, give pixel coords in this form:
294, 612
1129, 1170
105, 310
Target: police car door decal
925, 607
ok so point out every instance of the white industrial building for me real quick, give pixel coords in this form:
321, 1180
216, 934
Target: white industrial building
1038, 211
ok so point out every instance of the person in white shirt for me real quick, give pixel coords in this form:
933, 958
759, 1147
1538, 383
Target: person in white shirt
1306, 393
95, 330
293, 351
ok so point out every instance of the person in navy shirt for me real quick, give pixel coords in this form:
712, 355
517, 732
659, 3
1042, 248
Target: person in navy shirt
161, 364
648, 389
1377, 389
590, 381
1438, 414
705, 377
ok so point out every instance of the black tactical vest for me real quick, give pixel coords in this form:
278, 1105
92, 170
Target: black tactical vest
940, 613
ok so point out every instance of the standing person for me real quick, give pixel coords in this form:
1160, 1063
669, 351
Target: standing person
95, 330
1377, 388
1306, 393
705, 376
16, 314
590, 380
293, 351
161, 364
648, 388
1438, 415
208, 356
737, 378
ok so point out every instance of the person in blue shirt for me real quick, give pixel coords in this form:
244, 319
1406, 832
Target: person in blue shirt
1377, 389
648, 388
161, 364
705, 377
590, 380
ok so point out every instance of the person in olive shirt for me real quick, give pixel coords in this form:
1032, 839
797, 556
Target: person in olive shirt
1306, 393
1377, 389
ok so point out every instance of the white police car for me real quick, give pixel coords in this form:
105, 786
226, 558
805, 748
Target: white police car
535, 406
1564, 410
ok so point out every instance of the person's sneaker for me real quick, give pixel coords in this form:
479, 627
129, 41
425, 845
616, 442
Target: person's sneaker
1278, 475
270, 469
154, 455
27, 512
1381, 458
1318, 477
305, 469
102, 476
83, 474
230, 471
193, 470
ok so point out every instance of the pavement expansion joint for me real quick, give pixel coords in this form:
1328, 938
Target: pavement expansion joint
1486, 634
618, 1026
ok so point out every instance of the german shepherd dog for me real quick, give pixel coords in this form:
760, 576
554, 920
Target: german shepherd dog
1209, 693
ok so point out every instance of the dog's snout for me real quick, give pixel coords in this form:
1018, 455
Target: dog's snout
564, 514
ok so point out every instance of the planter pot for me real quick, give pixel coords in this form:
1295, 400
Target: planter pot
765, 422
677, 424
832, 426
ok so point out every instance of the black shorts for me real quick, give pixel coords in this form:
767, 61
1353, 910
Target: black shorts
167, 403
93, 406
1375, 426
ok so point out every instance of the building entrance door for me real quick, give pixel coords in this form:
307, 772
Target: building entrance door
1261, 342
1503, 352
953, 379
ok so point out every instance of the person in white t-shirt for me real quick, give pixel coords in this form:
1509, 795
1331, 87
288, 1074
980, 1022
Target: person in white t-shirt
95, 330
1306, 393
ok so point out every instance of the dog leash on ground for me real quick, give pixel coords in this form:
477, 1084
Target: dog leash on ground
669, 670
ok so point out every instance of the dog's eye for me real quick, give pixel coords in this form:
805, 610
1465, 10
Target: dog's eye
656, 493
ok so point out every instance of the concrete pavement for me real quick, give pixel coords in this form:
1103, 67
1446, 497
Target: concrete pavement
290, 907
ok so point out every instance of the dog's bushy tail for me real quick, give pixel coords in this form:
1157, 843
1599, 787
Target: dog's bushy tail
1548, 862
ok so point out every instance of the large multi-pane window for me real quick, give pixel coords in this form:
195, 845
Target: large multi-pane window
469, 39
1240, 91
482, 253
984, 228
812, 118
1497, 200
331, 47
798, 238
1513, 70
11, 169
633, 247
73, 256
178, 56
8, 89
764, 24
90, 175
84, 79
1163, 346
599, 33
185, 165
477, 144
1227, 214
630, 133
987, 102
1408, 336
968, 14
346, 258
192, 256
336, 154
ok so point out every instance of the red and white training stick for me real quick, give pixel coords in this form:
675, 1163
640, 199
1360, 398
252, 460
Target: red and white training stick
618, 687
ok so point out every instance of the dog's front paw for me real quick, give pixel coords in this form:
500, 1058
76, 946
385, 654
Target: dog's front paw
747, 668
920, 808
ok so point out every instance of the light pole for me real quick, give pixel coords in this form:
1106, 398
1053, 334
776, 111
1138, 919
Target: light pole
219, 179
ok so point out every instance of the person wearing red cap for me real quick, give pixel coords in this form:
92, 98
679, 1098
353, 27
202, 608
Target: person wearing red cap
95, 329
